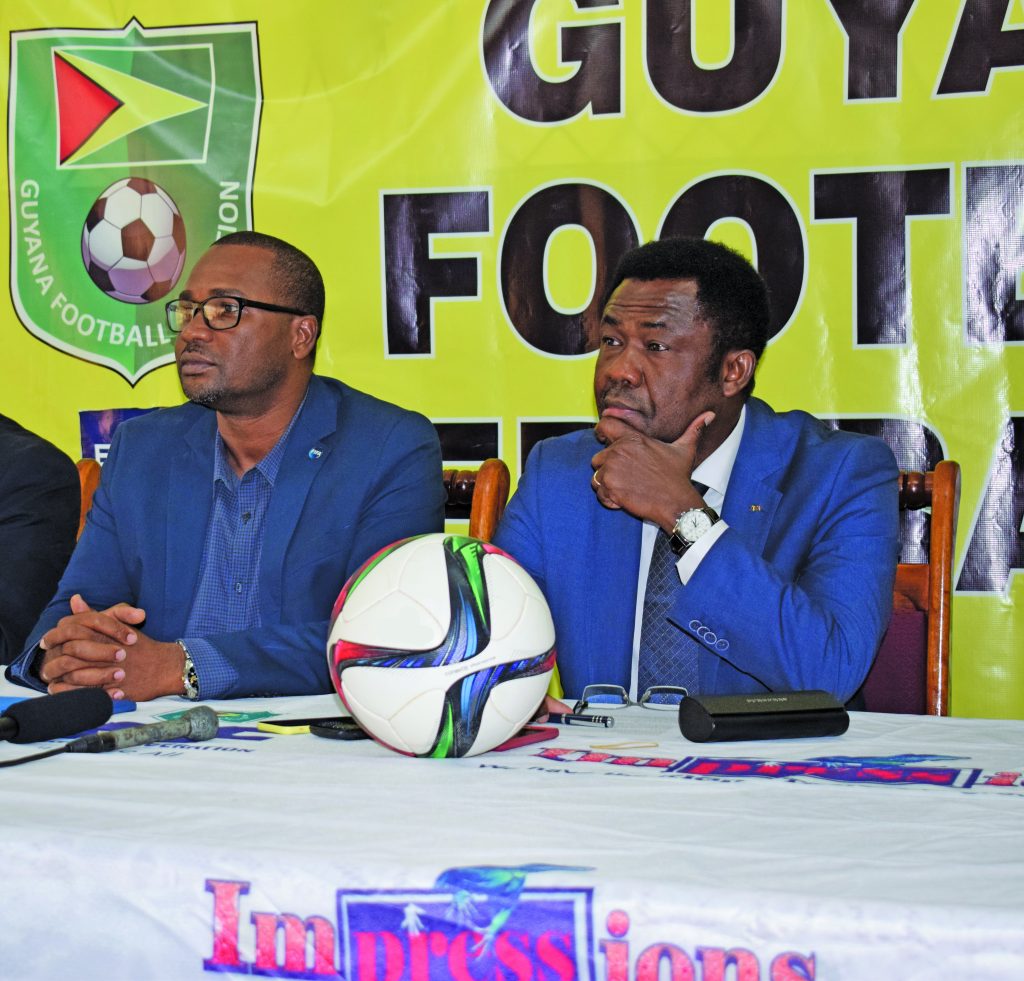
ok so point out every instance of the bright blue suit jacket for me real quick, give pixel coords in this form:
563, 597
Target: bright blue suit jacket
795, 594
357, 474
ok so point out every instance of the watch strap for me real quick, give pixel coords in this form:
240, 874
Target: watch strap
189, 676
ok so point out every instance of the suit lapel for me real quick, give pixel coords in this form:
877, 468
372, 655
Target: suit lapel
188, 500
753, 495
305, 455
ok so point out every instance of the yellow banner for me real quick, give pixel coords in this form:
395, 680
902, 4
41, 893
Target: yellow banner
467, 172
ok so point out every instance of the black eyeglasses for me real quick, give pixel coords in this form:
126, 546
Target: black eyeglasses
219, 312
662, 698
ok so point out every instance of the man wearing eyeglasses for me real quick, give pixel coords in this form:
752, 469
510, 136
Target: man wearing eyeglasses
223, 529
695, 538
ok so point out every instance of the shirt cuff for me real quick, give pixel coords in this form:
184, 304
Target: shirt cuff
215, 673
25, 670
691, 558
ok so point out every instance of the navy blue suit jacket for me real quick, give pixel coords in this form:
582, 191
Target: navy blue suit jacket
357, 474
795, 594
40, 497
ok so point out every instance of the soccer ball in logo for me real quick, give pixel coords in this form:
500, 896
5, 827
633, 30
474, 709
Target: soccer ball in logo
441, 645
133, 242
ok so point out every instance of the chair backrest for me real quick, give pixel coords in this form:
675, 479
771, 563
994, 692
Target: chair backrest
480, 495
89, 477
911, 673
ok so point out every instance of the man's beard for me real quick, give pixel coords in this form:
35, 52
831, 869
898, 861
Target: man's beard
207, 396
207, 399
224, 400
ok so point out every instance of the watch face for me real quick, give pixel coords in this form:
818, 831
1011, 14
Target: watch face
692, 525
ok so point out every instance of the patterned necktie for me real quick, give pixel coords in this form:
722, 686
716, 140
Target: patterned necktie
667, 655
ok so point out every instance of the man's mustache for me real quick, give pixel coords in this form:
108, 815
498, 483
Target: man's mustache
624, 397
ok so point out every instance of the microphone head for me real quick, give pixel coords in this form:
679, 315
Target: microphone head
58, 716
202, 723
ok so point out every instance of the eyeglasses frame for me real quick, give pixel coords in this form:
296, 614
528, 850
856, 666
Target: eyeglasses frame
242, 302
644, 701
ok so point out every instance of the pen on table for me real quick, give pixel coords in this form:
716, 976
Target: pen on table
573, 719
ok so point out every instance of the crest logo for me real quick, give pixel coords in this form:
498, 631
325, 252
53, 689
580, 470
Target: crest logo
130, 152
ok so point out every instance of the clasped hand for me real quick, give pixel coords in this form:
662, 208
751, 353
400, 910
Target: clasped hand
105, 649
647, 477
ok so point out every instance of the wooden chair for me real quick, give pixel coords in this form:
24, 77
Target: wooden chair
480, 495
89, 477
911, 673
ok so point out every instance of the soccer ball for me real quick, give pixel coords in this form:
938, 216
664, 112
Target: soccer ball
441, 645
133, 241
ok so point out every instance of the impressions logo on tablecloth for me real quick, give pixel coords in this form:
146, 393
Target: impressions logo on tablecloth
477, 923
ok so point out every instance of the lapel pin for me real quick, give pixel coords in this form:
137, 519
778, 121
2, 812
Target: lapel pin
755, 507
315, 454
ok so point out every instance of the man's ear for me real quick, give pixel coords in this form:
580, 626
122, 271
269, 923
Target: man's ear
737, 371
304, 335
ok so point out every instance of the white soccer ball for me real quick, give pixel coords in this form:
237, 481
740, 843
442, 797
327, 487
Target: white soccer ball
133, 241
441, 645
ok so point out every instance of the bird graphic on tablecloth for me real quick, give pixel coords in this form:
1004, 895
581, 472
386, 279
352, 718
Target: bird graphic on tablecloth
496, 886
901, 759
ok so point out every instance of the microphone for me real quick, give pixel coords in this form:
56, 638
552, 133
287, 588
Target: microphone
68, 713
197, 724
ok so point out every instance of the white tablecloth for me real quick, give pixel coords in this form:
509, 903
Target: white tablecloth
894, 851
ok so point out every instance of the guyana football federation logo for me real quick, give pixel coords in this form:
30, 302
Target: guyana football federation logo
130, 152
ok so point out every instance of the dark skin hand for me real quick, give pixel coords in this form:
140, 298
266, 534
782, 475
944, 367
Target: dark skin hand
105, 649
647, 477
663, 407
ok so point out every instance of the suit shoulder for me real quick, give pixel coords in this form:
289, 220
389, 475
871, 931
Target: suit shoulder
566, 452
161, 423
355, 400
366, 415
825, 435
24, 452
150, 440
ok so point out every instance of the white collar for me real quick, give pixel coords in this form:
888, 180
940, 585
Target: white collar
716, 470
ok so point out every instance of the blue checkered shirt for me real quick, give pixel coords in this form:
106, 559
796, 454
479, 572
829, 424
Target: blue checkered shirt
227, 598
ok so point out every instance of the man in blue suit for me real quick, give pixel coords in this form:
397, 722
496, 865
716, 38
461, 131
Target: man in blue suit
774, 538
223, 529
